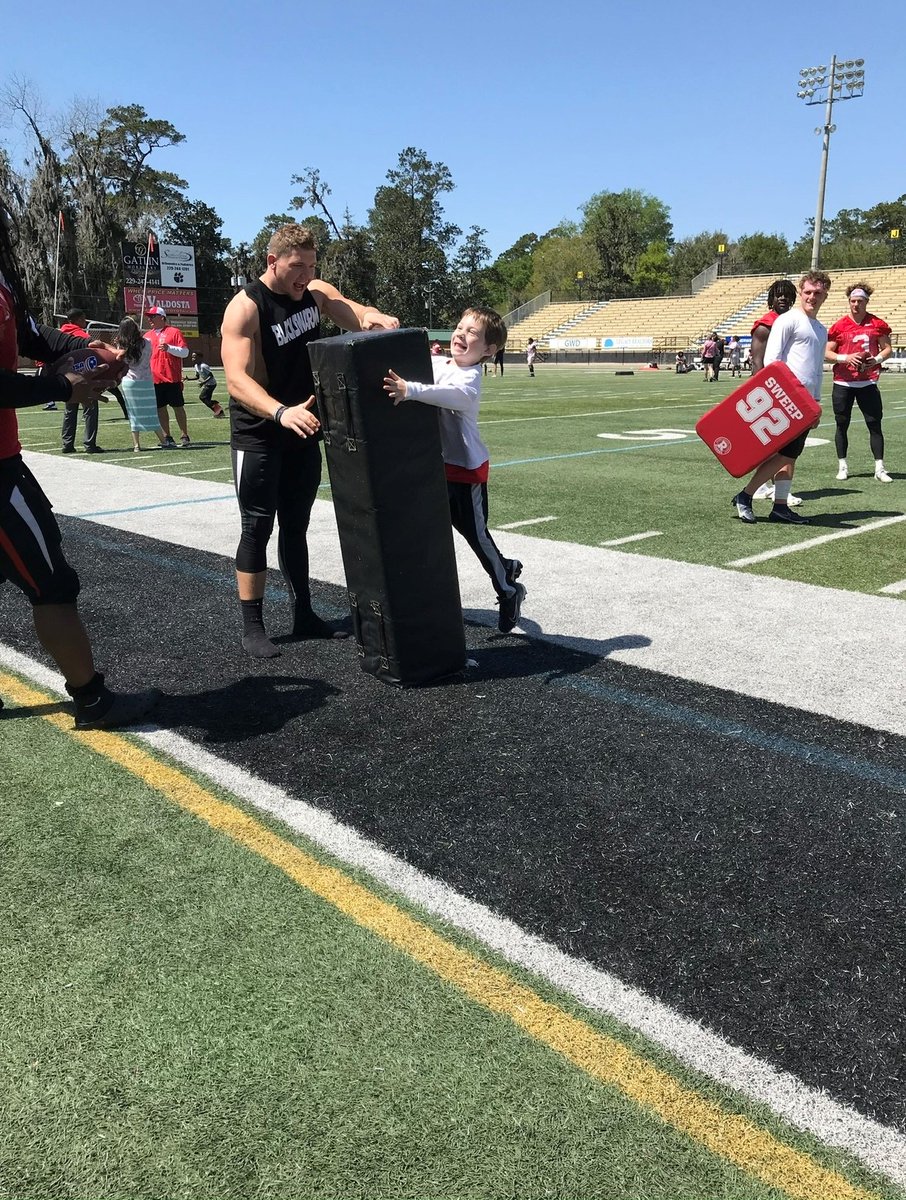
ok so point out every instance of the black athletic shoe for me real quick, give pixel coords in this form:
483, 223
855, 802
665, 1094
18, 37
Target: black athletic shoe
742, 502
94, 449
125, 708
510, 608
785, 515
69, 449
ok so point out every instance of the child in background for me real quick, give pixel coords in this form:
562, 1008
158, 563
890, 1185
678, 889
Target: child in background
456, 391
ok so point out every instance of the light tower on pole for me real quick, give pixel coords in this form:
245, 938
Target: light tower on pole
824, 85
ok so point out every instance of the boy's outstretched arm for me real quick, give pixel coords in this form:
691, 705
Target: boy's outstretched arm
460, 396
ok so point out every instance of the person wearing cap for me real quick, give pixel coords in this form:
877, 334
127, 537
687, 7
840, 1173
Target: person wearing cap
74, 326
168, 349
857, 345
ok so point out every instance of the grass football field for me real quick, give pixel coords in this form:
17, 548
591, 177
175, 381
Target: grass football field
246, 955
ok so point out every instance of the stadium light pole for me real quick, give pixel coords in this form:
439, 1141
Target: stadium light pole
823, 85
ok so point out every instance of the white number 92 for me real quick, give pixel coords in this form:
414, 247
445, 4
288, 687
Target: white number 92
765, 421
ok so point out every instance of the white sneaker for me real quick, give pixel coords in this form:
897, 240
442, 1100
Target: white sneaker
765, 492
843, 473
794, 501
882, 476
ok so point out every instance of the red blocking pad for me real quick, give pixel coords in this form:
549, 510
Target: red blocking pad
758, 419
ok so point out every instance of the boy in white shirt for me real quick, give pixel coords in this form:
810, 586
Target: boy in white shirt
456, 392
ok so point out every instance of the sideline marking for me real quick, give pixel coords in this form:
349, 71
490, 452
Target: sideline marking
206, 471
895, 589
610, 412
633, 537
633, 449
817, 541
532, 521
732, 1137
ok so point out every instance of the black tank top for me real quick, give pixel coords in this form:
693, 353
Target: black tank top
286, 327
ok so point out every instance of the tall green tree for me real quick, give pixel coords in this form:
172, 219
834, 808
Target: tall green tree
691, 255
621, 225
195, 223
410, 235
469, 282
510, 275
763, 253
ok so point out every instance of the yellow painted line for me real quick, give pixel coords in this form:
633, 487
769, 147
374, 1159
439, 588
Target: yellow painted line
734, 1138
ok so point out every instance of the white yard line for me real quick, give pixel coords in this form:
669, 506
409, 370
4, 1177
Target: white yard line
633, 537
818, 541
533, 521
895, 589
37, 445
207, 471
612, 412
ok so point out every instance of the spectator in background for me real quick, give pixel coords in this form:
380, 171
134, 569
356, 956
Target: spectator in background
75, 326
531, 353
498, 361
137, 384
206, 385
734, 357
682, 363
437, 349
709, 349
168, 349
719, 347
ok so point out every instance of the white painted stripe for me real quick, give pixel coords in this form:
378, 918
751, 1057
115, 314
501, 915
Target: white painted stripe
895, 589
818, 541
137, 460
533, 521
207, 471
882, 1149
173, 462
633, 537
17, 500
36, 445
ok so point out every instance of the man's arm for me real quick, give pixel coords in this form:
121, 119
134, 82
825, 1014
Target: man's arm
175, 344
347, 313
239, 349
47, 344
759, 343
884, 351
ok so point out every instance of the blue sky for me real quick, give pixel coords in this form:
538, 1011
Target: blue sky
533, 107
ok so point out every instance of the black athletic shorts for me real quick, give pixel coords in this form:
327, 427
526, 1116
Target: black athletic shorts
31, 555
794, 448
868, 399
169, 393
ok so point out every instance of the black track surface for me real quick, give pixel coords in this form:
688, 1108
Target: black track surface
705, 847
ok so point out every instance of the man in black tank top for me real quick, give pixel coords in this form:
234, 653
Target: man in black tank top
276, 457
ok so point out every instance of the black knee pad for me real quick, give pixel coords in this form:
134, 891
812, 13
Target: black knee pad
251, 556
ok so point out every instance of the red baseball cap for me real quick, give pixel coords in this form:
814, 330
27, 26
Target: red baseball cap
157, 311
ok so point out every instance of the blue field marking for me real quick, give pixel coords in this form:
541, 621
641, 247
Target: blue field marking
115, 512
678, 714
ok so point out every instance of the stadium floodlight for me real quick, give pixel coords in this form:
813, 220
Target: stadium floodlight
844, 80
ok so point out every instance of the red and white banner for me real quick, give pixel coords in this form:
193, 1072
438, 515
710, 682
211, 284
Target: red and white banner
181, 306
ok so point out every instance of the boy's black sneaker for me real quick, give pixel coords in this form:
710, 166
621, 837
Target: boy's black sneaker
513, 570
785, 515
122, 709
742, 502
510, 608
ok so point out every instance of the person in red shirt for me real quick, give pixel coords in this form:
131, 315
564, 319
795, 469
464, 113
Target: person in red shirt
74, 325
857, 345
781, 298
168, 349
31, 554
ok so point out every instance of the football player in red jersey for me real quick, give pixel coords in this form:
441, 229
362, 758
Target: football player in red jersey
857, 345
781, 298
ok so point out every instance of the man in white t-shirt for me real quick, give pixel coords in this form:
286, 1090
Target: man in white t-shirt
797, 338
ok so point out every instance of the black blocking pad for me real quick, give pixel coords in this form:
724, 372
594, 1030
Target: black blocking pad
390, 496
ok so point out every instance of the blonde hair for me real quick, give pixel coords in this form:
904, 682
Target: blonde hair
821, 277
288, 238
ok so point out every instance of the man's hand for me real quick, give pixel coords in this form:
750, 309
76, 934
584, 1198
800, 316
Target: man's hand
373, 319
300, 419
395, 387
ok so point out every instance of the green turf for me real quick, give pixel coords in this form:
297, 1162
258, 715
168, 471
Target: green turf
548, 460
177, 1018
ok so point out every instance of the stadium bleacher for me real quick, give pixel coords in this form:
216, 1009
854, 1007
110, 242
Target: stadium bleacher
729, 304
